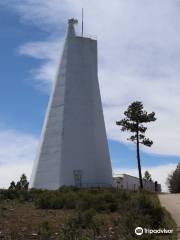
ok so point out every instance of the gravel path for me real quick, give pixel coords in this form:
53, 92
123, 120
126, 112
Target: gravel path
172, 203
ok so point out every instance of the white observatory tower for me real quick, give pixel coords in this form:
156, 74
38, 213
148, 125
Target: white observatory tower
73, 148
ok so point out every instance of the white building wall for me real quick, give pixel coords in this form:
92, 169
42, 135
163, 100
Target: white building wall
127, 182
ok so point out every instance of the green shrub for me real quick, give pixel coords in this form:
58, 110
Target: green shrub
76, 228
100, 200
14, 194
174, 180
88, 217
65, 189
48, 201
148, 205
45, 231
133, 209
9, 194
44, 201
70, 200
57, 202
3, 211
70, 230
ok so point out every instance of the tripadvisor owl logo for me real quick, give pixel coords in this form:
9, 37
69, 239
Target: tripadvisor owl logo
139, 231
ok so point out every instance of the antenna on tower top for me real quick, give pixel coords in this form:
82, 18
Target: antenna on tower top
82, 22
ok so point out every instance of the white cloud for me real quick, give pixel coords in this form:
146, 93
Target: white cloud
49, 52
158, 173
45, 14
138, 57
13, 172
17, 153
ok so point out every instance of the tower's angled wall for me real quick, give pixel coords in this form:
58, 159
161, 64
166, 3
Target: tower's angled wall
73, 149
85, 144
46, 168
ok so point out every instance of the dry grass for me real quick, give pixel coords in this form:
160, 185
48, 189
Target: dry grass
23, 219
105, 215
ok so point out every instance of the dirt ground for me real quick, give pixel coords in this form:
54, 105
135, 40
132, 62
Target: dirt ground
25, 219
172, 203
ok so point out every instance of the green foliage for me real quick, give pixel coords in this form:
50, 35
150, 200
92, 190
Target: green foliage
88, 217
70, 230
143, 210
84, 226
20, 195
45, 231
12, 185
174, 181
87, 222
49, 201
3, 211
146, 205
100, 200
147, 176
22, 184
135, 117
70, 200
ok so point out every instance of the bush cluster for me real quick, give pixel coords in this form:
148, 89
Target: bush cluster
133, 209
100, 200
84, 226
44, 230
174, 180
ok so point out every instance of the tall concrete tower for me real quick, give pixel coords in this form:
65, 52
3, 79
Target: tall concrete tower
73, 148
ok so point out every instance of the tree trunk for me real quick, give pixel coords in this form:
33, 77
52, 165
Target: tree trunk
139, 163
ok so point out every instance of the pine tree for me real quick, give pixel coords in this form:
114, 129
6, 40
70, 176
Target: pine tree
147, 176
23, 182
12, 185
174, 181
135, 116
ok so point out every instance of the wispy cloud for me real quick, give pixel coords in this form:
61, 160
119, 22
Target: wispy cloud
17, 152
158, 173
138, 57
49, 53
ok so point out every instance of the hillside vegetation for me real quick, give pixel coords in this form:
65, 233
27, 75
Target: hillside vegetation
80, 214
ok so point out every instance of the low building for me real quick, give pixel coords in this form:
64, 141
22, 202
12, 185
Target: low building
128, 182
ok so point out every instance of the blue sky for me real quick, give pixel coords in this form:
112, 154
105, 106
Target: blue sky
138, 60
22, 106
